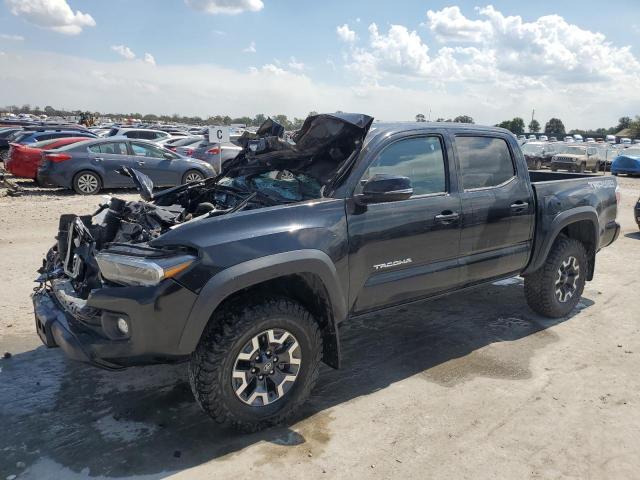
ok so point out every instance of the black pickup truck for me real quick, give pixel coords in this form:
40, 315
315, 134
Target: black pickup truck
249, 275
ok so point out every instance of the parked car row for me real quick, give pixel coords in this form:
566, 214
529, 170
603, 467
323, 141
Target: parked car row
581, 157
72, 156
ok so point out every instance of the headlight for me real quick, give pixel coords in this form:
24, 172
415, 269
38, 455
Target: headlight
129, 270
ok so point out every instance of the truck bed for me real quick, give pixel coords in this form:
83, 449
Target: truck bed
560, 197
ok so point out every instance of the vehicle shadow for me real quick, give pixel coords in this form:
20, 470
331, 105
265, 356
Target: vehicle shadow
634, 235
145, 421
29, 188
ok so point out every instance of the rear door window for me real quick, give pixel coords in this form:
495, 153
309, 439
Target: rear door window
484, 161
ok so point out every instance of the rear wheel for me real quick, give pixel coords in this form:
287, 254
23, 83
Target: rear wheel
87, 183
255, 366
192, 176
555, 289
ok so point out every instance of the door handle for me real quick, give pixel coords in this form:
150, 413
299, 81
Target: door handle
98, 159
519, 206
140, 162
447, 217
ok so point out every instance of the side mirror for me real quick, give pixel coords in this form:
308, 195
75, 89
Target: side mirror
168, 156
385, 188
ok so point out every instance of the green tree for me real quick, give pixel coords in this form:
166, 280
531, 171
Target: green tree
554, 127
258, 120
534, 126
284, 121
635, 127
517, 126
623, 122
463, 119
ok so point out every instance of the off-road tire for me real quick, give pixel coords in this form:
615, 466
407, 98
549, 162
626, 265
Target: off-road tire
596, 168
540, 286
554, 169
77, 182
212, 363
582, 167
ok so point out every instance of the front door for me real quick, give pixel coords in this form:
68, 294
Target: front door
153, 161
497, 209
405, 250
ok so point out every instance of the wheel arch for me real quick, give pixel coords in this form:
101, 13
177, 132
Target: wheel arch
580, 224
306, 276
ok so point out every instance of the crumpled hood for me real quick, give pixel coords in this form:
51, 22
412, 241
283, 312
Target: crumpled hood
319, 149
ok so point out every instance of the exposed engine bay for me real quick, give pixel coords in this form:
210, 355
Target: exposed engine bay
268, 171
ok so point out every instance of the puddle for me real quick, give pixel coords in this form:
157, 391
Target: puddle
502, 360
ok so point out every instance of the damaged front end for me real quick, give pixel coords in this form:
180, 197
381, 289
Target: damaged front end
104, 274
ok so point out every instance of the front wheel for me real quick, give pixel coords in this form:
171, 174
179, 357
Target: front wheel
582, 167
555, 289
87, 183
256, 365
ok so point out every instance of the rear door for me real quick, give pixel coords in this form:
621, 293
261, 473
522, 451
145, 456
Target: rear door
109, 157
497, 207
405, 250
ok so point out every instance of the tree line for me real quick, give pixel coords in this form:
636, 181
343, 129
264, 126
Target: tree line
256, 121
553, 127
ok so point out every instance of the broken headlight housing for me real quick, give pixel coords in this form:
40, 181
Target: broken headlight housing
141, 271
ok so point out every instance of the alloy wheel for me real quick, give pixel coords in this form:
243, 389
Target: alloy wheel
87, 183
192, 177
267, 367
567, 280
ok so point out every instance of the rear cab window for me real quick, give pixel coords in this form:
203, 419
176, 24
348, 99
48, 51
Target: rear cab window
485, 162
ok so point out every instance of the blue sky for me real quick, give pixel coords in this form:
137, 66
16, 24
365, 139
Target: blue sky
394, 59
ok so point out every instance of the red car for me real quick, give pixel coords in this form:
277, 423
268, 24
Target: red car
23, 160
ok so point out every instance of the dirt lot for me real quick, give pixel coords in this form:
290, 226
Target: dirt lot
471, 386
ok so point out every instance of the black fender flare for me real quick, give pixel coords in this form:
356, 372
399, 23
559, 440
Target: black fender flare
561, 221
252, 272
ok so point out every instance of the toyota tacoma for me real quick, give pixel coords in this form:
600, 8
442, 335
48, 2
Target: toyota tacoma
248, 275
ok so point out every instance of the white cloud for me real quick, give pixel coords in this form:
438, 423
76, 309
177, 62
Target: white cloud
496, 50
124, 51
13, 38
148, 58
225, 7
251, 48
449, 24
296, 65
133, 86
54, 15
346, 34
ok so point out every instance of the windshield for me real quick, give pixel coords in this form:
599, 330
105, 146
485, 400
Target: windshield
529, 149
576, 151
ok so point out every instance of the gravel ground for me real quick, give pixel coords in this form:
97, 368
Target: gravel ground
470, 386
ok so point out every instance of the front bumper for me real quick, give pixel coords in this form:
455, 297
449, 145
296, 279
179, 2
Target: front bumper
157, 316
564, 165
